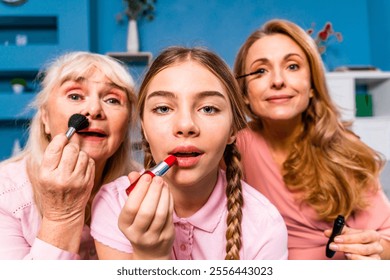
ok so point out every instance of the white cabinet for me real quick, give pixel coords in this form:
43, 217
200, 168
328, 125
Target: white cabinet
375, 130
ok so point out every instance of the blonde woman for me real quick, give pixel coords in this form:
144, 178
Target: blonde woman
46, 192
300, 156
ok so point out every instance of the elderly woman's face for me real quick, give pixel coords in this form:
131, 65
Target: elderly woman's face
104, 104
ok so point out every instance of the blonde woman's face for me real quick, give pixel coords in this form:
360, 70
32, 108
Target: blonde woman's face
282, 89
105, 105
187, 113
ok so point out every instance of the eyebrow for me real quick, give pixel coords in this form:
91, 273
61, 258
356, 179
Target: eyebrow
202, 94
287, 56
81, 80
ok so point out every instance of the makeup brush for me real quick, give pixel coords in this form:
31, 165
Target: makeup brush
76, 122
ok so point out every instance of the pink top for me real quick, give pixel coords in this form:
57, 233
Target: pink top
20, 221
306, 239
201, 236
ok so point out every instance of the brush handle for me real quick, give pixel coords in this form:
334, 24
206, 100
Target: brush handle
70, 132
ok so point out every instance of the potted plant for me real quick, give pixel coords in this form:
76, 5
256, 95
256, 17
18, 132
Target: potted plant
134, 10
18, 85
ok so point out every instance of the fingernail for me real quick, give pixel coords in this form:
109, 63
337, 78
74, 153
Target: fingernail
158, 179
147, 178
333, 247
338, 239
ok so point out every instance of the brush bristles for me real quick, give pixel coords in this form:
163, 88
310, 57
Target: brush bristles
78, 122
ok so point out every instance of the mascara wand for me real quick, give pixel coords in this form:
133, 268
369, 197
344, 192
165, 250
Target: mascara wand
76, 122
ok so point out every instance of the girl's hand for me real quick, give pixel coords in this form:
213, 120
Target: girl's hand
357, 244
147, 218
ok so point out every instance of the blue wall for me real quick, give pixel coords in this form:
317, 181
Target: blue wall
379, 16
223, 25
72, 33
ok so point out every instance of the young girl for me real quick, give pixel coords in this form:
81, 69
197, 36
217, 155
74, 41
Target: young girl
189, 108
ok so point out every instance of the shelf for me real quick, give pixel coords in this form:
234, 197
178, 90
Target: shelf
361, 77
15, 106
28, 30
345, 86
136, 58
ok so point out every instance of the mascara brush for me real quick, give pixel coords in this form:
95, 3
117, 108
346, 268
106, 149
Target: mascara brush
76, 122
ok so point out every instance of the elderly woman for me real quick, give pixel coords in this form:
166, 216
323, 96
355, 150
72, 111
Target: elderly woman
47, 190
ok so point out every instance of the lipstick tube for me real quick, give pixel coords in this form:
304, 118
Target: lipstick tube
158, 170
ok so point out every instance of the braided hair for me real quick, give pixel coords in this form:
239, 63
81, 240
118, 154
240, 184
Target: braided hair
231, 155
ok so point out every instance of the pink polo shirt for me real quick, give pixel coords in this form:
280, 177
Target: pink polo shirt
306, 239
201, 236
20, 221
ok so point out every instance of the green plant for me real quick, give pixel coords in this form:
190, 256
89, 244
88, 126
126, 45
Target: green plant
19, 81
136, 9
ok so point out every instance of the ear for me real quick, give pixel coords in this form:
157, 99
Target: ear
232, 137
311, 93
45, 120
246, 100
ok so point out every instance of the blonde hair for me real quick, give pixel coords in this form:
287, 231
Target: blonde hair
73, 66
328, 165
218, 67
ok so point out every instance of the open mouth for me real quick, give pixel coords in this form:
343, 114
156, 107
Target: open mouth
188, 159
92, 134
193, 154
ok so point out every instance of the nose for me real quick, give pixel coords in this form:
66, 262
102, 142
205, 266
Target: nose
186, 124
278, 81
94, 108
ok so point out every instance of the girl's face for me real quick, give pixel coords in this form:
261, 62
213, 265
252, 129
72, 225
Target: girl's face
187, 113
106, 107
282, 89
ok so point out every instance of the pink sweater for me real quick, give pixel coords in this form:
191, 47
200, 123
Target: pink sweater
20, 221
306, 239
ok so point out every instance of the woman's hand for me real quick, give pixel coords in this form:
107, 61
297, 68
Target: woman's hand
147, 218
64, 185
357, 244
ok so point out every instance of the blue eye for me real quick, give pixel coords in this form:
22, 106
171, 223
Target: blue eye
162, 109
113, 101
209, 109
74, 96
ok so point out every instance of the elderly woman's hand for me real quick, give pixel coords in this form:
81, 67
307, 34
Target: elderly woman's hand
65, 181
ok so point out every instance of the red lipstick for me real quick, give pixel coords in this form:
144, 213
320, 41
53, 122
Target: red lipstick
158, 170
